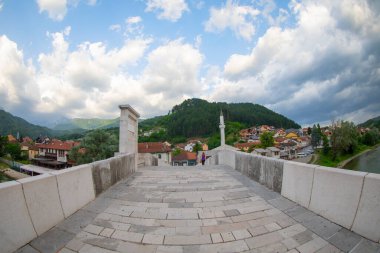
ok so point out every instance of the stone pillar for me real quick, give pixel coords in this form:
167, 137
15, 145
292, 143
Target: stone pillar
128, 130
222, 134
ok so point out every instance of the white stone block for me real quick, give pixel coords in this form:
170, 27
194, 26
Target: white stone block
367, 220
335, 194
227, 157
16, 228
297, 182
42, 199
76, 188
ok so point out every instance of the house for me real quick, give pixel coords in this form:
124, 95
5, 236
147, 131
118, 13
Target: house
158, 149
27, 139
180, 146
260, 151
189, 147
244, 146
11, 138
288, 149
273, 152
280, 133
57, 150
185, 159
304, 140
29, 150
291, 135
204, 147
54, 154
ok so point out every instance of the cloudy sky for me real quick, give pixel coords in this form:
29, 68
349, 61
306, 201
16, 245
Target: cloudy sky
312, 60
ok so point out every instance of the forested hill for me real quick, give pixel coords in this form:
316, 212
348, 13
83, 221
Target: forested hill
374, 122
10, 124
197, 117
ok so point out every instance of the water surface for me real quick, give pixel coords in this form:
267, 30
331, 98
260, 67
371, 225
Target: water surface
368, 162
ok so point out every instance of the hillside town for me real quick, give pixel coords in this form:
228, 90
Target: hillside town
288, 144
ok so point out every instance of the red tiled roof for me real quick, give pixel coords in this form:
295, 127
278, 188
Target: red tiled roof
11, 138
244, 145
58, 145
279, 139
153, 147
185, 156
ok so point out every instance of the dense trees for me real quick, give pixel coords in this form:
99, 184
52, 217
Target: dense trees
3, 143
96, 145
316, 136
266, 139
344, 138
197, 117
13, 150
371, 137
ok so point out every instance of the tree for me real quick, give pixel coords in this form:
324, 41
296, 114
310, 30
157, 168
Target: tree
308, 130
197, 147
326, 145
14, 150
371, 137
344, 138
176, 152
266, 139
315, 136
3, 143
213, 141
96, 145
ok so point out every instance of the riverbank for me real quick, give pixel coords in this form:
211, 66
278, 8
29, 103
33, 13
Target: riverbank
11, 174
343, 163
341, 160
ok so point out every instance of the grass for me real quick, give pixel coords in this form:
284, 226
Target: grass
326, 160
3, 165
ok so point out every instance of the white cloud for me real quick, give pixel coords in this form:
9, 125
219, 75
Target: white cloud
91, 2
321, 68
77, 81
56, 9
238, 18
173, 70
115, 27
171, 10
134, 26
134, 20
1, 5
18, 89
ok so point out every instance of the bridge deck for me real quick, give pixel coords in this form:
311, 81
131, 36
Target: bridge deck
195, 209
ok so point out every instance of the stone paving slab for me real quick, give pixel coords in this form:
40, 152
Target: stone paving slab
193, 210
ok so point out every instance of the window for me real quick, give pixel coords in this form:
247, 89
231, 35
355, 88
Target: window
159, 156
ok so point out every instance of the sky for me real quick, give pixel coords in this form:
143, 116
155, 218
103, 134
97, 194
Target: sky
313, 61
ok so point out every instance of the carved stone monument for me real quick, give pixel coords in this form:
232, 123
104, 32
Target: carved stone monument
128, 130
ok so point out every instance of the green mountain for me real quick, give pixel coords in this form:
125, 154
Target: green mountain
197, 117
10, 124
87, 124
371, 123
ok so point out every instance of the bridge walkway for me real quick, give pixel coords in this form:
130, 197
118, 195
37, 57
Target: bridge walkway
195, 209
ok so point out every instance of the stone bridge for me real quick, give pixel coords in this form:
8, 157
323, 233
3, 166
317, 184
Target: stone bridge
195, 209
236, 203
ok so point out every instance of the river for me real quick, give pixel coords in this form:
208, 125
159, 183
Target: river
368, 162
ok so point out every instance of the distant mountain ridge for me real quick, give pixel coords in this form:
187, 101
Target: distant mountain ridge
87, 124
10, 124
374, 122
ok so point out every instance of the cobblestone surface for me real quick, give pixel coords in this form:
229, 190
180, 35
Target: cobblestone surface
197, 209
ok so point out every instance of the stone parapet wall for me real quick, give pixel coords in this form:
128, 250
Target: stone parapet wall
31, 206
348, 198
146, 159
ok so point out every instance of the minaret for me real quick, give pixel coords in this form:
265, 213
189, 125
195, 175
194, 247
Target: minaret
222, 126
